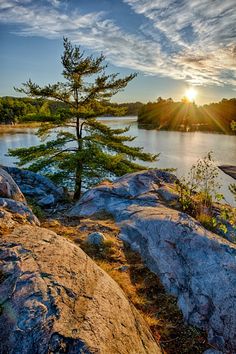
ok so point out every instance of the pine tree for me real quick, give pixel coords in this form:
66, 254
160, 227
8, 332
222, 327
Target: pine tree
92, 150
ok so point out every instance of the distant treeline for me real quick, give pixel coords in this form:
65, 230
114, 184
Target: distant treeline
165, 114
23, 109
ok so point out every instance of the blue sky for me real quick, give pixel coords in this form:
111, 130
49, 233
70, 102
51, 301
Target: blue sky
172, 44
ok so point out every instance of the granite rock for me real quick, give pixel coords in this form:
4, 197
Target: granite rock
36, 186
55, 299
96, 238
195, 265
8, 188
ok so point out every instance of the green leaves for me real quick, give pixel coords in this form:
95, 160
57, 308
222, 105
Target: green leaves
76, 65
199, 192
58, 91
93, 150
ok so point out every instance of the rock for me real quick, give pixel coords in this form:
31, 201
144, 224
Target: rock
122, 268
96, 238
32, 191
7, 221
195, 265
8, 188
15, 207
36, 186
168, 194
47, 201
55, 299
138, 188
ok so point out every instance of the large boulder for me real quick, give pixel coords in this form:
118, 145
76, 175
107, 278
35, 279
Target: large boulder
140, 188
36, 186
8, 188
55, 299
195, 265
16, 208
13, 203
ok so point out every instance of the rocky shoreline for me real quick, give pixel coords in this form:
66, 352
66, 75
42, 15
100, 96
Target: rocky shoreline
195, 265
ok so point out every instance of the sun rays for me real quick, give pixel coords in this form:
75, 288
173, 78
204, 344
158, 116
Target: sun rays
191, 94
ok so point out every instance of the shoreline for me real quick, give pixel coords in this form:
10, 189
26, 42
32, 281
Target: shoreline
5, 128
148, 127
8, 128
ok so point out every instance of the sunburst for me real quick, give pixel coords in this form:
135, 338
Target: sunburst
191, 94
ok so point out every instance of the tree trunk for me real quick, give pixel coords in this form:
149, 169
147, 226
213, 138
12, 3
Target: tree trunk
78, 181
79, 167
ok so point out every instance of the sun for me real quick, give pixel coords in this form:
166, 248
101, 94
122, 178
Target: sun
191, 94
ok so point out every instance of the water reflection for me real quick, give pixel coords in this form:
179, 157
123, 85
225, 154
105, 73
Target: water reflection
178, 149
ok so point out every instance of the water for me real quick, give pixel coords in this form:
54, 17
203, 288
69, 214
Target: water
177, 149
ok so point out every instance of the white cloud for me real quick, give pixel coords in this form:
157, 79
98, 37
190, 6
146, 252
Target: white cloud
188, 40
200, 35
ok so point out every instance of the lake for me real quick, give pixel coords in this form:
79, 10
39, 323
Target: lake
178, 150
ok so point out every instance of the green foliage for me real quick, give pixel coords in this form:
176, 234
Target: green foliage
11, 110
127, 109
201, 183
198, 192
233, 125
23, 109
187, 116
185, 196
92, 151
204, 180
209, 222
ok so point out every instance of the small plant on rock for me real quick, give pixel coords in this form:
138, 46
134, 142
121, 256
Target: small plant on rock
200, 188
199, 191
204, 181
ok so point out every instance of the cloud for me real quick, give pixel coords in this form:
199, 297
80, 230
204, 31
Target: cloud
199, 35
185, 40
92, 30
44, 20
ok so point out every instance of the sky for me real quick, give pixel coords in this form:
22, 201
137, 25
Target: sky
173, 45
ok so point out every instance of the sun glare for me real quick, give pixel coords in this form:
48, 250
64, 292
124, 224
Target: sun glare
191, 94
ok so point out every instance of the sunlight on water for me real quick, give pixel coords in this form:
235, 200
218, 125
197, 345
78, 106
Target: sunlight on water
178, 149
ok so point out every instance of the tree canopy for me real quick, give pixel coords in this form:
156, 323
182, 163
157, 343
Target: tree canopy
87, 150
169, 115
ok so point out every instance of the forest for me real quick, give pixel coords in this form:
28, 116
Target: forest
25, 109
166, 114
